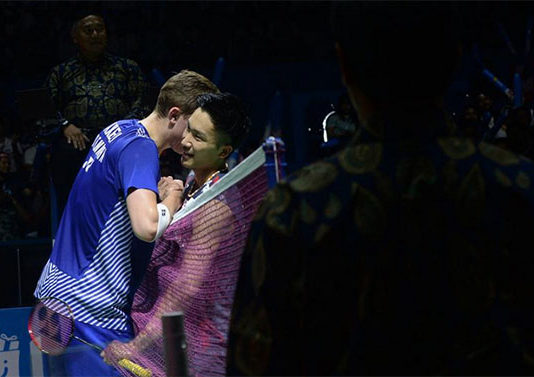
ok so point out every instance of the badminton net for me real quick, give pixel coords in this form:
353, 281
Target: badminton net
194, 267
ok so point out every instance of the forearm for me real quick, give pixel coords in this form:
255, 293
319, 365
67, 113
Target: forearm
149, 220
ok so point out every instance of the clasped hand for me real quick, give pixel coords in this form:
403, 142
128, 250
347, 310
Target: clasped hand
169, 185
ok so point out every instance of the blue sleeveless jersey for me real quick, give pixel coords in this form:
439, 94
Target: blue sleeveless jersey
90, 265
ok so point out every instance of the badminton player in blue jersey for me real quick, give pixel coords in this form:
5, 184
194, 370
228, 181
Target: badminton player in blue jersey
114, 197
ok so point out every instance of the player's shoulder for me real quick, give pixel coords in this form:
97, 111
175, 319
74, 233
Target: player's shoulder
130, 128
123, 132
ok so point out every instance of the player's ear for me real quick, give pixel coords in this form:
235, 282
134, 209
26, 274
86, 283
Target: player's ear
225, 151
174, 113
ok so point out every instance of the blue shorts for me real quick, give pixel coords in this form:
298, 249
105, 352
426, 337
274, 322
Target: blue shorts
80, 359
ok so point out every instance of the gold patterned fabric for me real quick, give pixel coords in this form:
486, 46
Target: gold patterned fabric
96, 95
407, 253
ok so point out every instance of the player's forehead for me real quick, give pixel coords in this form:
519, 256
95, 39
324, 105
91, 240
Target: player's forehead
200, 121
91, 21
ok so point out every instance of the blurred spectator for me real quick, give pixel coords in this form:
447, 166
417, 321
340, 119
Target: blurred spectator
12, 214
91, 90
28, 136
339, 125
519, 133
9, 145
343, 123
24, 209
469, 124
485, 107
234, 159
484, 104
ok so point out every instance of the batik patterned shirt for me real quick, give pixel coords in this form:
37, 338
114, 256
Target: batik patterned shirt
95, 95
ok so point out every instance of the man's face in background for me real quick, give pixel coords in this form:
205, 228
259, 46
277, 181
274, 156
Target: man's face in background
90, 36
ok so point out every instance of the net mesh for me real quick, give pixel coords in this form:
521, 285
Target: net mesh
194, 269
51, 325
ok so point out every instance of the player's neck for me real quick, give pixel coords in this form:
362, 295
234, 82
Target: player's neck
204, 175
155, 125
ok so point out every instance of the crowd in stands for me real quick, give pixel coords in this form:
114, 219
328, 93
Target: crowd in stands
504, 125
24, 188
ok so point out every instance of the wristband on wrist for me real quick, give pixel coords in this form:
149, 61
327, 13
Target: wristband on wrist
164, 219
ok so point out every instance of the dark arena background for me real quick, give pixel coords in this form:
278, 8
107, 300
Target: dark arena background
278, 56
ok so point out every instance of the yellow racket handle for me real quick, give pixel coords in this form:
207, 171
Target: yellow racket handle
136, 369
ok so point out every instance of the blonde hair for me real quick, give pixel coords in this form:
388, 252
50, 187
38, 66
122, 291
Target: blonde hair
182, 90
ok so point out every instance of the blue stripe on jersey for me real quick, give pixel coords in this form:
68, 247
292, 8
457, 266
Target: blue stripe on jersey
100, 296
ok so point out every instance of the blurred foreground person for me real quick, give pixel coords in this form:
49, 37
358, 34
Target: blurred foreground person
407, 253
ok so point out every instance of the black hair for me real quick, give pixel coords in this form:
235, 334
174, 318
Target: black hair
227, 112
80, 15
398, 52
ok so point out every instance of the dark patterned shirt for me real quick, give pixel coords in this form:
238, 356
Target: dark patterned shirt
410, 252
96, 95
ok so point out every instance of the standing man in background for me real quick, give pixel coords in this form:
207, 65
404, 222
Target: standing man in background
91, 90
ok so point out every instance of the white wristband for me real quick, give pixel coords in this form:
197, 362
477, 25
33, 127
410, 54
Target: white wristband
164, 219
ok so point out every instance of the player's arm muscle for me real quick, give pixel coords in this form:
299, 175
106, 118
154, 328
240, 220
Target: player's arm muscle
142, 208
